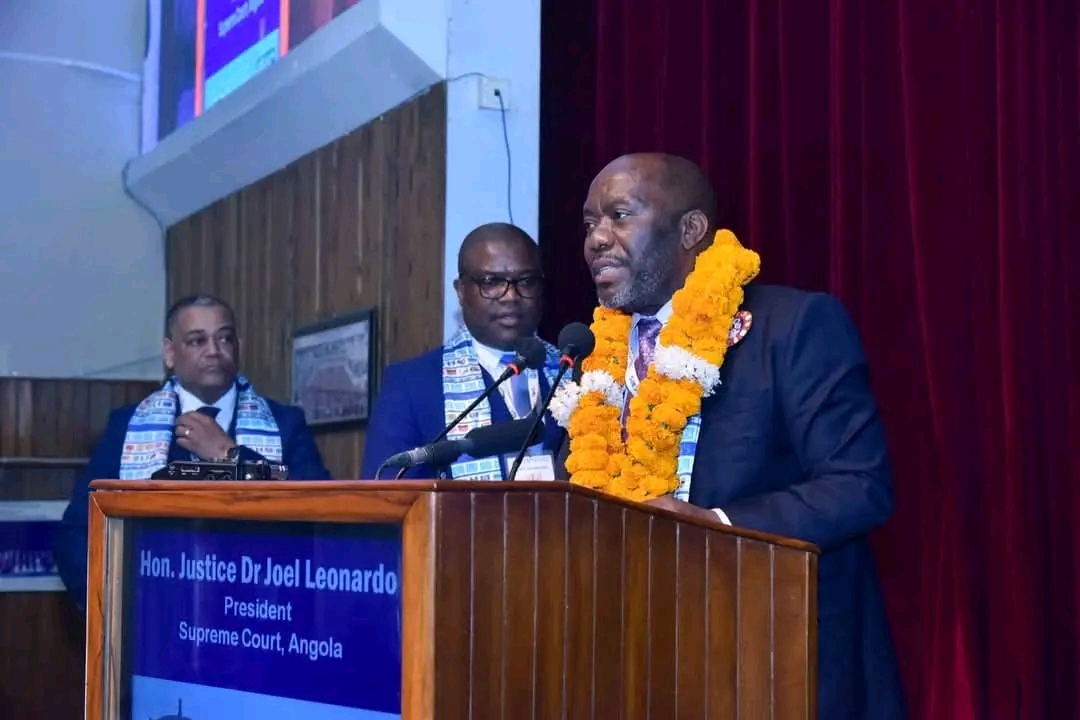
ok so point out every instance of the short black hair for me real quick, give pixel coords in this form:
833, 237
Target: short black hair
201, 300
498, 231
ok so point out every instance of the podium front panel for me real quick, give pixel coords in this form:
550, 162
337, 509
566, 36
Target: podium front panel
530, 599
266, 619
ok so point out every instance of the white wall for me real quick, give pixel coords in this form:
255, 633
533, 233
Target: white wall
83, 269
499, 38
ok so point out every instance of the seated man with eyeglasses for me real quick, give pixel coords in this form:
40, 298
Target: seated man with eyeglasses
501, 291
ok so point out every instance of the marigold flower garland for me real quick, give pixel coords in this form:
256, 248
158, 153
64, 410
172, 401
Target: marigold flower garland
685, 369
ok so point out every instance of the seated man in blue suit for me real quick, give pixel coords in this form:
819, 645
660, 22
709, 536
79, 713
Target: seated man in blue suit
500, 289
787, 440
205, 410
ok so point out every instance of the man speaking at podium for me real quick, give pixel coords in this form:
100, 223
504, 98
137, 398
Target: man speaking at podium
500, 288
204, 411
719, 399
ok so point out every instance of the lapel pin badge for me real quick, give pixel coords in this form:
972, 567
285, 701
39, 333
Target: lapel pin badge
740, 325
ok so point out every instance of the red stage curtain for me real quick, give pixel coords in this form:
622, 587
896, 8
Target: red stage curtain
920, 159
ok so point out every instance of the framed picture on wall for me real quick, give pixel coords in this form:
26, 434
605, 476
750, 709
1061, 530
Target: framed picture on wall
332, 370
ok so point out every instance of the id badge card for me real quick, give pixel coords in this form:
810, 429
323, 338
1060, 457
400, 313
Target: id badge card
537, 465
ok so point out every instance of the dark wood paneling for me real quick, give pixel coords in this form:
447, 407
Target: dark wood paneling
47, 430
51, 418
569, 605
358, 223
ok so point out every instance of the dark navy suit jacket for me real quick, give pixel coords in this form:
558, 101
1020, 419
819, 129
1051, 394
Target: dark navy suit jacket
791, 444
299, 451
409, 411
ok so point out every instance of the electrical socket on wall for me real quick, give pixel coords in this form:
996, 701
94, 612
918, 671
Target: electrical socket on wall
491, 90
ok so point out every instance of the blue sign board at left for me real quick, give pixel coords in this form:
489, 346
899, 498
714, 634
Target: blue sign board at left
27, 533
267, 620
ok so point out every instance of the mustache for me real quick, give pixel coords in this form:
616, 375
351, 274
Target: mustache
608, 261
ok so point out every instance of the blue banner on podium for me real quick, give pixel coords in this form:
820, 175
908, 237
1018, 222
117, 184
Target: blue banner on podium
265, 620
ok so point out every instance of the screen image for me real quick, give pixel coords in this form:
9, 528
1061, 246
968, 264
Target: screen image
268, 620
238, 38
200, 51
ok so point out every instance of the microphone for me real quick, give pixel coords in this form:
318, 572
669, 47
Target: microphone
576, 342
480, 442
529, 355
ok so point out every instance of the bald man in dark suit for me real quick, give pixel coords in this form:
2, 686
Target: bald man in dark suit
791, 442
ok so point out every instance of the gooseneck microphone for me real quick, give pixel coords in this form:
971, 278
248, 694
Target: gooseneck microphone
576, 342
480, 442
529, 355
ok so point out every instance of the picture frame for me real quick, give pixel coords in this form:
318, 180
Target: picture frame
333, 370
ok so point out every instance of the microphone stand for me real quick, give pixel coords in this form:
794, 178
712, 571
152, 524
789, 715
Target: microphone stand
506, 375
565, 365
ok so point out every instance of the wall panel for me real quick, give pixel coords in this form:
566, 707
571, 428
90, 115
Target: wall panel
47, 430
358, 223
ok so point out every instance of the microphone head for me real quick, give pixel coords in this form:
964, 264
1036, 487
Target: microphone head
530, 354
498, 439
443, 452
576, 341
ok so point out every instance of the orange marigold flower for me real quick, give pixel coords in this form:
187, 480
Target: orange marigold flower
645, 465
671, 418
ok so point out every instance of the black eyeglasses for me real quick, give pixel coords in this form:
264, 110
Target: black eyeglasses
492, 287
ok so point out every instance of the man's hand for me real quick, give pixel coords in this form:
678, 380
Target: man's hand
668, 502
202, 435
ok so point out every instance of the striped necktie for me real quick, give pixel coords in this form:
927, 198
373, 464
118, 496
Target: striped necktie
648, 330
519, 389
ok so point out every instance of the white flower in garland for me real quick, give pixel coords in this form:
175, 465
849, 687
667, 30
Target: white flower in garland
680, 364
602, 382
565, 401
569, 394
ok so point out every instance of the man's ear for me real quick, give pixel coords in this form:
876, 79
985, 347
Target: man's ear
459, 289
168, 354
695, 230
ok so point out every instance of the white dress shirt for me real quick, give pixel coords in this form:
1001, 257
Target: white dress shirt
663, 315
226, 405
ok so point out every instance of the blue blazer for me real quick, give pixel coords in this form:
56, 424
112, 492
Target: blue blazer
409, 411
299, 451
791, 444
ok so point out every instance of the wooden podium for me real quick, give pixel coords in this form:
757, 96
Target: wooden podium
524, 600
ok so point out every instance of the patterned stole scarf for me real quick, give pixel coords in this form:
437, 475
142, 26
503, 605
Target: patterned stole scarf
463, 382
150, 430
689, 441
687, 449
